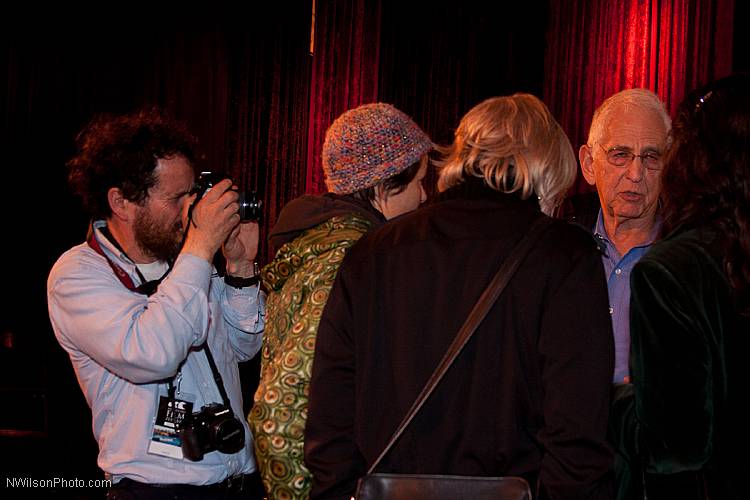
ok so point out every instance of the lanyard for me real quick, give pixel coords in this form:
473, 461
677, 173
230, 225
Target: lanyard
146, 287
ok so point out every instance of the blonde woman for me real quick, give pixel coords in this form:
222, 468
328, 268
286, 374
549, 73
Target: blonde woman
529, 394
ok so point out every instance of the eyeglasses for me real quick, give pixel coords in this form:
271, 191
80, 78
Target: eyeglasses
620, 157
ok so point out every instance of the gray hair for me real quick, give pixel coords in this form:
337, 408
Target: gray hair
641, 99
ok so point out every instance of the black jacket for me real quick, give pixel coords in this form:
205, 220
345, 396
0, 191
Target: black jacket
529, 395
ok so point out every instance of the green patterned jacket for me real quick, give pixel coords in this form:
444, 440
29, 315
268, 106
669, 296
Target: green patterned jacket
298, 282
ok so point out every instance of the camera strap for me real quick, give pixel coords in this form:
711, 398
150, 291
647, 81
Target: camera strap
217, 376
148, 288
217, 379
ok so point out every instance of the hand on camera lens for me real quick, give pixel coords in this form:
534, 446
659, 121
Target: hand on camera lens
213, 218
240, 249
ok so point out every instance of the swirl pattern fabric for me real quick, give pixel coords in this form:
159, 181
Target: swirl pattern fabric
298, 281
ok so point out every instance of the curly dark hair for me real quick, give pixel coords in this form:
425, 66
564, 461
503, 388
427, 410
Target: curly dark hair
122, 152
706, 177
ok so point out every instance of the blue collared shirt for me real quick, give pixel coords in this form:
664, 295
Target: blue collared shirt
617, 270
123, 345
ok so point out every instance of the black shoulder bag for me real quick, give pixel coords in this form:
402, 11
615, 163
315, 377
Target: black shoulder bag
382, 486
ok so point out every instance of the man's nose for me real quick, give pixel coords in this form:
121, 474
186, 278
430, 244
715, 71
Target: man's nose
635, 169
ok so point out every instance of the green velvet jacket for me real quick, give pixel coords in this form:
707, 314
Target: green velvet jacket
680, 428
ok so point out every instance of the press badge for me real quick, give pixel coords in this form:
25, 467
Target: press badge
165, 440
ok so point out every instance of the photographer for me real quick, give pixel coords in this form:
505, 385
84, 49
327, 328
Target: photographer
154, 334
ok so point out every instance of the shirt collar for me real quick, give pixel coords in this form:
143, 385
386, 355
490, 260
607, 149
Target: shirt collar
107, 245
600, 231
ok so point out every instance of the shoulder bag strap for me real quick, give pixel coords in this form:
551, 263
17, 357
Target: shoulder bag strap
478, 313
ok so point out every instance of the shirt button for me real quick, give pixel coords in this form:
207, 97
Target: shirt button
618, 271
611, 310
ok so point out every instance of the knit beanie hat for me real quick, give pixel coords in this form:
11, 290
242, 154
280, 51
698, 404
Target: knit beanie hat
369, 144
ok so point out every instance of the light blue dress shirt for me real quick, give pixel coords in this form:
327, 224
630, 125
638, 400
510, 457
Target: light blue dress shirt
124, 345
617, 270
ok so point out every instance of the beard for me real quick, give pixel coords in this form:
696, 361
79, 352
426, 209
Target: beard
155, 240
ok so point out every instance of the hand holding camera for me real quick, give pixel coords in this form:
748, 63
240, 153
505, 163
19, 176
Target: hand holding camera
211, 218
240, 249
214, 217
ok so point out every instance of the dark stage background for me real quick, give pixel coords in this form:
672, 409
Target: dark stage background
259, 102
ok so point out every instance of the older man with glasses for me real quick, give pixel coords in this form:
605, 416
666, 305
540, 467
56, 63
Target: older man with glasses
623, 159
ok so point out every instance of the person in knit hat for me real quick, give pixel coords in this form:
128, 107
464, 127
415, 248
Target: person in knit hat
374, 159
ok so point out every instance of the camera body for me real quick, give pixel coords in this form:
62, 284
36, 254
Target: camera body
213, 428
251, 208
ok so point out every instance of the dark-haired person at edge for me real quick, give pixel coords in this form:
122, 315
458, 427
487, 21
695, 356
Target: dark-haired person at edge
147, 321
683, 417
374, 159
529, 395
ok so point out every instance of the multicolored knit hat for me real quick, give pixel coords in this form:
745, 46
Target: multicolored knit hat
369, 144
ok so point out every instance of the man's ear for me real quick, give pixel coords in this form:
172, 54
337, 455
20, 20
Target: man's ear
587, 164
121, 208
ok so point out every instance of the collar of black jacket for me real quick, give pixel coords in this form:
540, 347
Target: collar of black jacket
474, 188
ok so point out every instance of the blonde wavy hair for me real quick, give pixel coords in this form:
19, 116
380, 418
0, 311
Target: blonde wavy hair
514, 144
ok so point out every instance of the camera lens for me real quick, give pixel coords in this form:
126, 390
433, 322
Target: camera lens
250, 206
228, 434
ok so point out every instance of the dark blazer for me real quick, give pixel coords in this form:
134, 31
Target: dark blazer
529, 396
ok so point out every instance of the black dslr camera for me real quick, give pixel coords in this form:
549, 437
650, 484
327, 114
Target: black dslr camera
213, 428
250, 205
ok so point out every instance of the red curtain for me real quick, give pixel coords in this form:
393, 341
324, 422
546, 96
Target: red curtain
436, 69
267, 114
433, 60
596, 48
187, 76
344, 71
